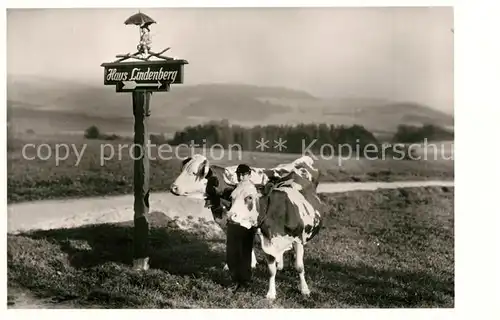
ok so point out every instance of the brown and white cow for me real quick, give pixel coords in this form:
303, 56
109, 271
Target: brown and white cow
199, 178
192, 180
286, 217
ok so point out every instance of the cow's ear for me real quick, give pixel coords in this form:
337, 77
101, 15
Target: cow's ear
203, 170
185, 161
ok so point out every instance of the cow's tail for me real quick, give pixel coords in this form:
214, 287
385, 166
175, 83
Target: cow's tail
315, 229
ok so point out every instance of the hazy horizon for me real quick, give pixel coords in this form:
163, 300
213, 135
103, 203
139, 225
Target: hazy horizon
399, 54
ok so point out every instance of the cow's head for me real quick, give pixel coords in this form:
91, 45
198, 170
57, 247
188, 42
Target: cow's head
192, 179
244, 204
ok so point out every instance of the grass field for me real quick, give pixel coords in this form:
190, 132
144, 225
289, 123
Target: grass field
44, 179
390, 248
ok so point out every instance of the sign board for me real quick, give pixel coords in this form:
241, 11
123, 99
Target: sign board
144, 75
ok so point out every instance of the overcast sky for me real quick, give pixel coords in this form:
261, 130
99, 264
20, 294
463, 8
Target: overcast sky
394, 53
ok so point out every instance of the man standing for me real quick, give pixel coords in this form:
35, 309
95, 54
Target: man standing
239, 243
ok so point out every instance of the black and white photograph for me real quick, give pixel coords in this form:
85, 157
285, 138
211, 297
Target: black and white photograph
230, 157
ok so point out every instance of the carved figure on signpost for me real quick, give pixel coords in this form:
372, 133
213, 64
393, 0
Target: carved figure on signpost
144, 47
142, 78
145, 41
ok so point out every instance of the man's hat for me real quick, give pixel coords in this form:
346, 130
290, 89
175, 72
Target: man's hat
243, 169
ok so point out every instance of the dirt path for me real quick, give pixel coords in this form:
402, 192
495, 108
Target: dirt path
356, 186
52, 214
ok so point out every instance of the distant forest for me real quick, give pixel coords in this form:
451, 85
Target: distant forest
298, 137
414, 134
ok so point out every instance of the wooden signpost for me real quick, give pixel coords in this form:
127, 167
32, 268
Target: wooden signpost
142, 78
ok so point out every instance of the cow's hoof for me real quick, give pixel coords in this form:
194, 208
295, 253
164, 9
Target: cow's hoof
234, 288
271, 295
141, 264
305, 291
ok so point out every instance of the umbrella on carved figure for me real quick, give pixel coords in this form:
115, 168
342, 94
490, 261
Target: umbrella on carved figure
144, 21
140, 19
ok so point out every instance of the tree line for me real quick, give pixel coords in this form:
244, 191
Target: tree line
415, 134
298, 137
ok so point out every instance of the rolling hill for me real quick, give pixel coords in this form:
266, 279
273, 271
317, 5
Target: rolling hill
45, 104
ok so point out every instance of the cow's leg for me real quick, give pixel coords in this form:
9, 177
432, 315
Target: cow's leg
280, 262
271, 264
224, 228
299, 266
256, 243
254, 260
219, 218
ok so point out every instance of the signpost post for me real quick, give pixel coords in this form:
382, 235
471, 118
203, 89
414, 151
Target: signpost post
142, 78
